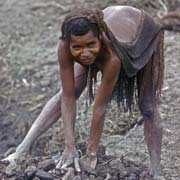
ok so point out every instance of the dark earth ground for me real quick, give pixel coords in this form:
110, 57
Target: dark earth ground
29, 76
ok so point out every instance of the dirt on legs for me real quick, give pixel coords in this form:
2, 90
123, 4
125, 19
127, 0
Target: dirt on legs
48, 116
150, 114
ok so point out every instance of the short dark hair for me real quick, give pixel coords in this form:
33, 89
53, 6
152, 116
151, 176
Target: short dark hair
79, 27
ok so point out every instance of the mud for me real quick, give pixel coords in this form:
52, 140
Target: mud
29, 76
108, 167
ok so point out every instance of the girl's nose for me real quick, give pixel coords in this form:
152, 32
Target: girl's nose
85, 52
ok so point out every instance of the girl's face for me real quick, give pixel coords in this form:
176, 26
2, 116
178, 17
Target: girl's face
85, 48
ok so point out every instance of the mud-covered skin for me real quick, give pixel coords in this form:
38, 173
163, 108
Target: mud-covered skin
152, 123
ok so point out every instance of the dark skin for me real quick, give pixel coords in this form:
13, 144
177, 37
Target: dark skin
74, 58
86, 50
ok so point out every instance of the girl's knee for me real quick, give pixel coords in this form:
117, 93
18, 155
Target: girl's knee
147, 110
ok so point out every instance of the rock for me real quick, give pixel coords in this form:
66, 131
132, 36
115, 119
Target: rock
57, 172
92, 177
117, 165
12, 178
77, 177
132, 177
43, 175
99, 178
45, 82
69, 174
10, 171
30, 171
46, 165
36, 178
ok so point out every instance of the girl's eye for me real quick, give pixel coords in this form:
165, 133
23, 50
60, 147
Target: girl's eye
91, 44
76, 47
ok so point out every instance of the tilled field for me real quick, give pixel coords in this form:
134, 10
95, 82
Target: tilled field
29, 76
